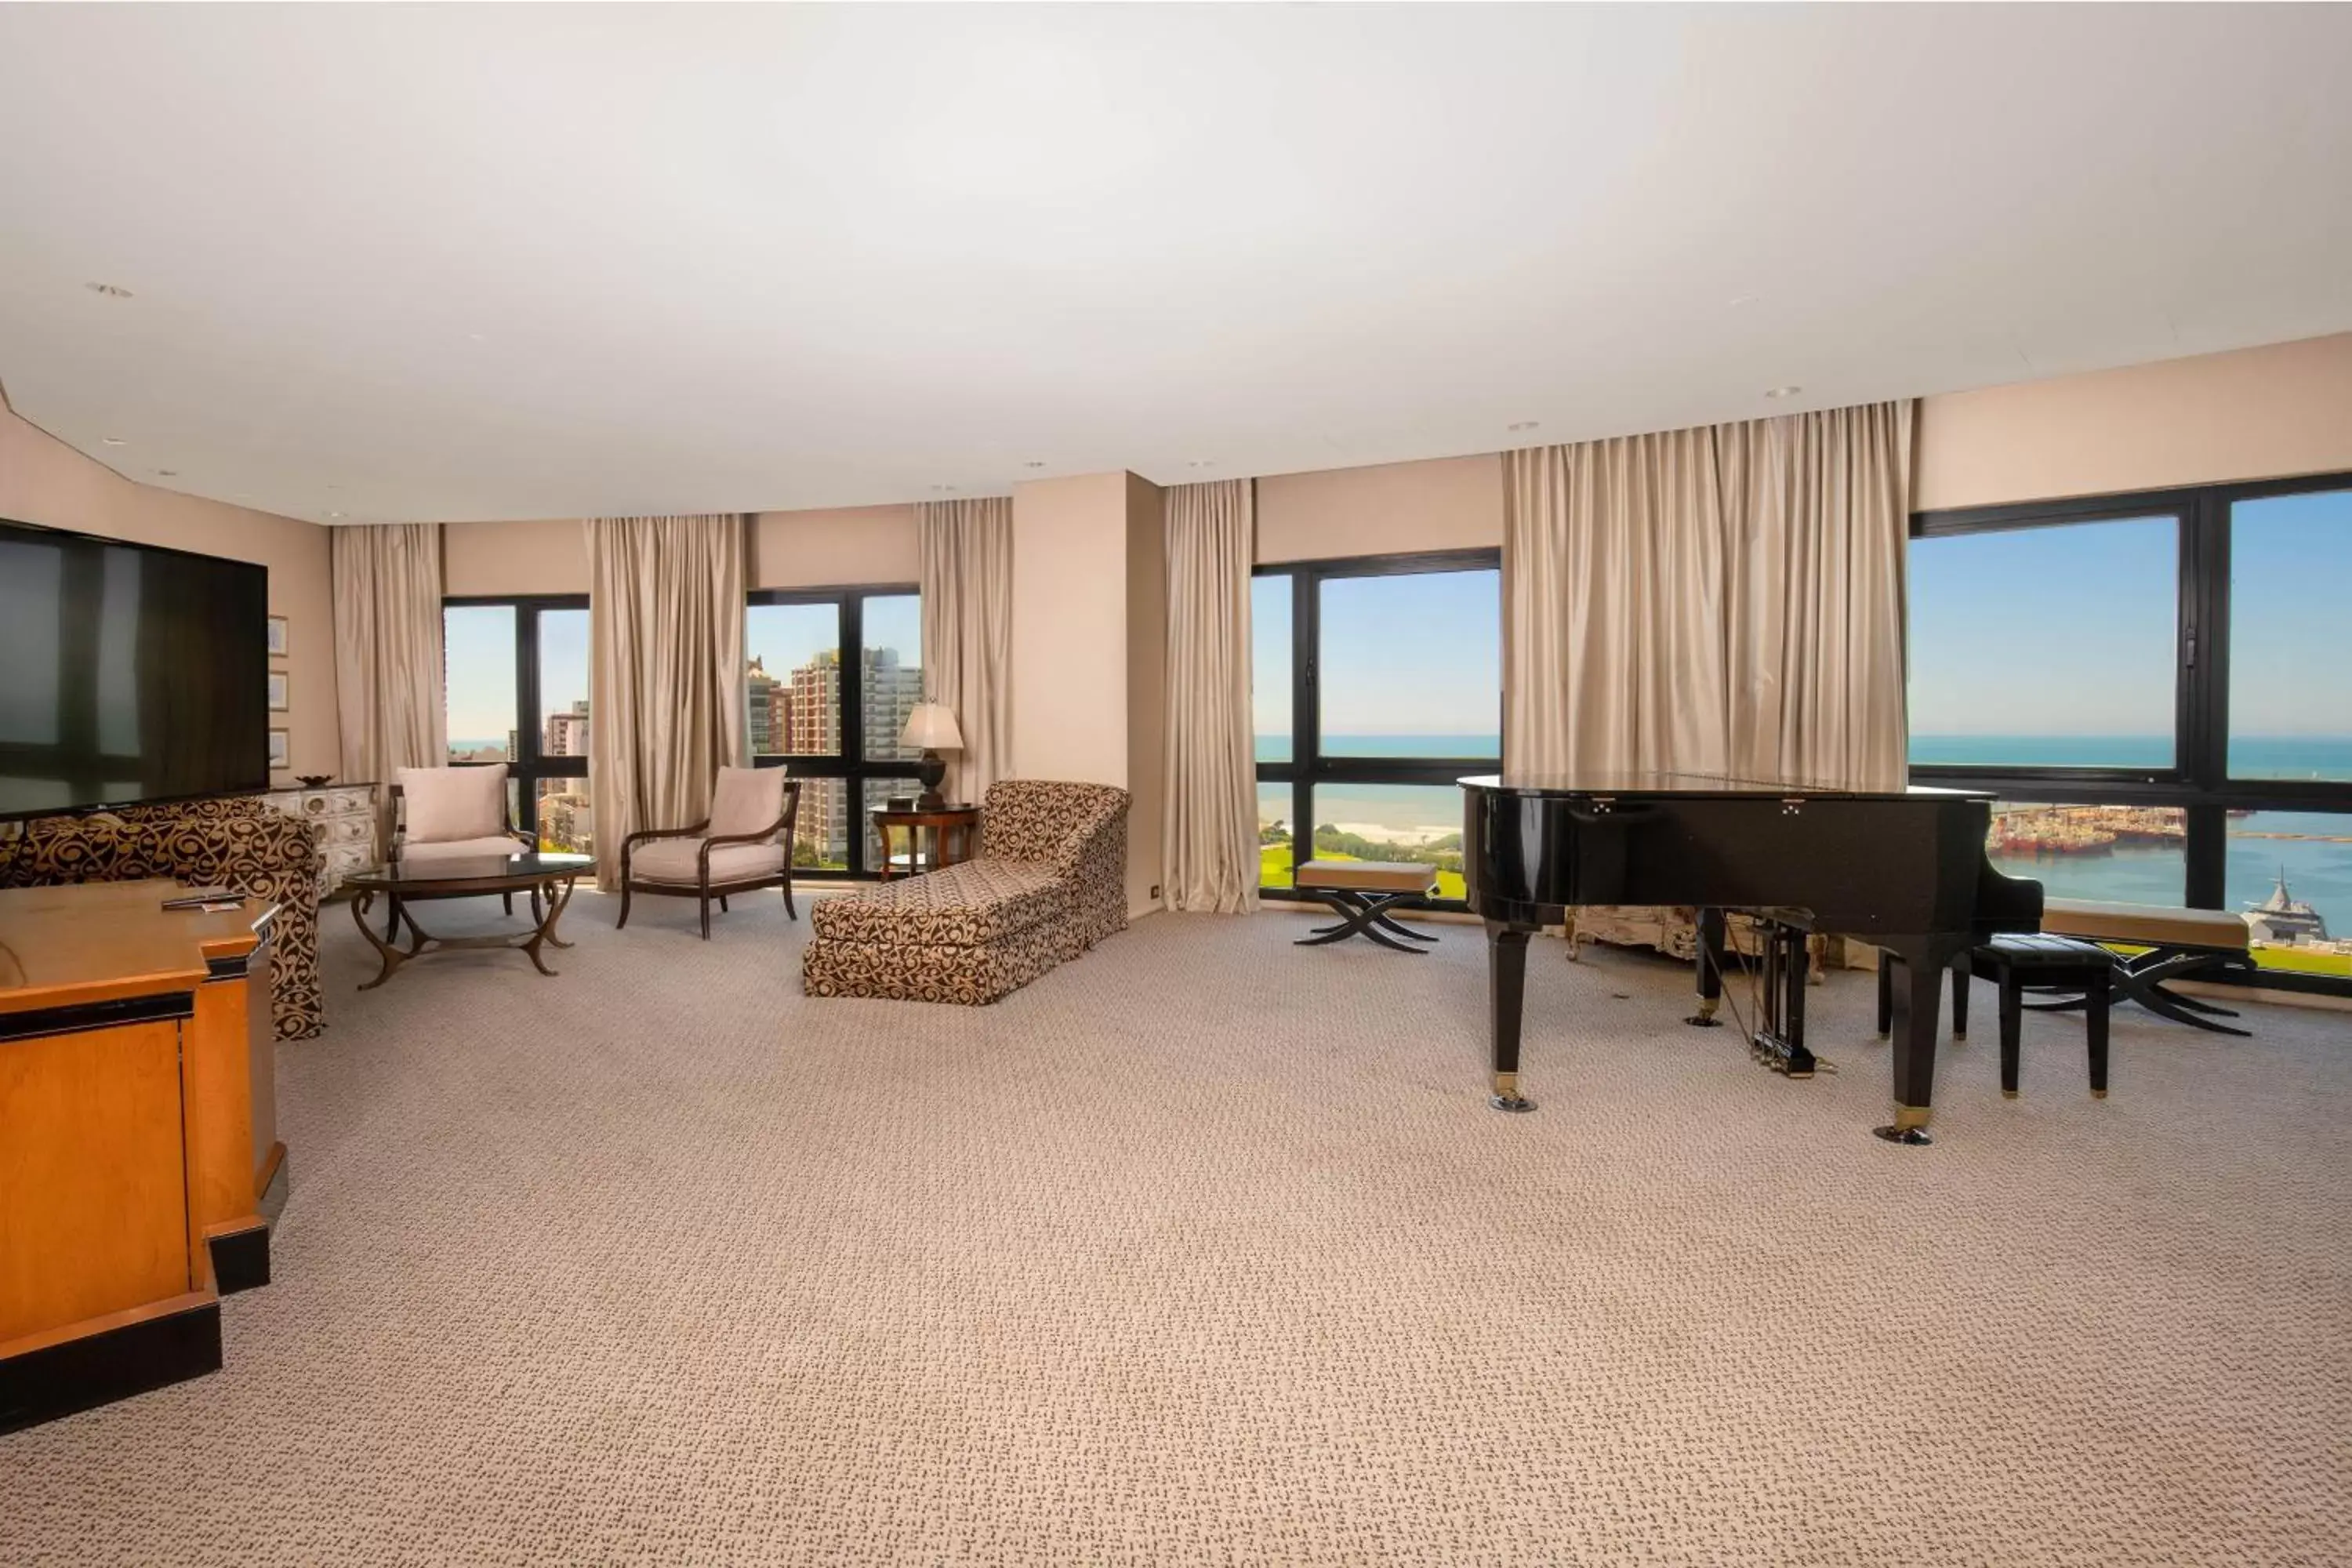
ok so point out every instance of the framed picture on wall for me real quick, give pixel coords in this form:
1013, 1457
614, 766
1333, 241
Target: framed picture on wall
279, 701
282, 752
278, 636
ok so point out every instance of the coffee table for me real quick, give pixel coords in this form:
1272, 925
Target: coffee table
548, 878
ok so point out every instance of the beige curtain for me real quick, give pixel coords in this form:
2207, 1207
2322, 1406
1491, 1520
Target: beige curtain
389, 681
665, 678
1209, 824
967, 583
1726, 599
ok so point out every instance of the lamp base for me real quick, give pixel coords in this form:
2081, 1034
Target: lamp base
932, 771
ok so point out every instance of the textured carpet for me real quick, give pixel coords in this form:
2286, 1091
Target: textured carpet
1206, 1249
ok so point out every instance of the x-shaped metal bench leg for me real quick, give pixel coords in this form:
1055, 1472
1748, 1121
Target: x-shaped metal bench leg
2142, 979
1365, 915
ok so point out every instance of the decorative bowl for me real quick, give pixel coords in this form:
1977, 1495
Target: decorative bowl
313, 781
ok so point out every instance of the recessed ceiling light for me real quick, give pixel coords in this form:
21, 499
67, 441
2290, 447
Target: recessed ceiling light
1784, 392
1034, 463
110, 290
110, 440
1742, 300
1200, 462
334, 514
944, 489
1525, 425
167, 473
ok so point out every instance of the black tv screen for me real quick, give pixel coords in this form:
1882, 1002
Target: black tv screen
128, 673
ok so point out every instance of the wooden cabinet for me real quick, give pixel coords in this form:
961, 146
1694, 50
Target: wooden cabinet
347, 821
137, 1138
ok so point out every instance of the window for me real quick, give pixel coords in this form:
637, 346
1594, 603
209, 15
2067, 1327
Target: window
515, 690
1376, 684
2001, 610
832, 675
2146, 683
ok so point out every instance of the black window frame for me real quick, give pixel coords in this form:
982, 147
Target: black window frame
2198, 784
848, 763
1307, 765
529, 765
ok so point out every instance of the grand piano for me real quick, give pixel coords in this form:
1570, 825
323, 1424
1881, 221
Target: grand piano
1904, 870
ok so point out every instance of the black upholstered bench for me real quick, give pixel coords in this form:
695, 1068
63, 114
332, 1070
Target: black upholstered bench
2018, 964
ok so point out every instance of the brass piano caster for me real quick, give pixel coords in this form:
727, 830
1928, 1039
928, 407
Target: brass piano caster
1910, 1128
1507, 1096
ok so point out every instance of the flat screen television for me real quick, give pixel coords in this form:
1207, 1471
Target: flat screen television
128, 673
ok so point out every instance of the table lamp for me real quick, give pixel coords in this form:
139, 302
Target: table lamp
931, 726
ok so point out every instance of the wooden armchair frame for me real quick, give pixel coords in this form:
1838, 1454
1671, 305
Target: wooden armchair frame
702, 889
399, 797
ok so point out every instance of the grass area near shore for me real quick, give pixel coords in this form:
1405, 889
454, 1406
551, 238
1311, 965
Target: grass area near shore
2294, 961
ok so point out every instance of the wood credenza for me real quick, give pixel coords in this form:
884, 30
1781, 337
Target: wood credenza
139, 1149
346, 816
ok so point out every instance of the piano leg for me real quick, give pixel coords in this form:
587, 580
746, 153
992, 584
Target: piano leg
1710, 970
1916, 992
1507, 992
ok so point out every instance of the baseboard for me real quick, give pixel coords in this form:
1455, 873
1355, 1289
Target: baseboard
90, 1365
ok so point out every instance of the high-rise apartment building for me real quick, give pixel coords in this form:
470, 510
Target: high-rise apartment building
566, 734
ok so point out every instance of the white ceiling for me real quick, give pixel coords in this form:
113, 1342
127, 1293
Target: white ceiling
474, 261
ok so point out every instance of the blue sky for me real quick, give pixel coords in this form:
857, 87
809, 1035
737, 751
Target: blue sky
1417, 655
2072, 627
2074, 630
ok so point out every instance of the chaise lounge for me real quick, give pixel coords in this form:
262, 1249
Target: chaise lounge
1050, 882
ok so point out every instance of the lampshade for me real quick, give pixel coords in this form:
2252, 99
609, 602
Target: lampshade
931, 727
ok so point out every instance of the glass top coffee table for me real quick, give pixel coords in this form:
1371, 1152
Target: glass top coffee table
548, 878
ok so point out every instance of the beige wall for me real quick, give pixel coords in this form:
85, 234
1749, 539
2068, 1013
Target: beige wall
835, 548
1392, 509
1069, 629
789, 550
45, 481
545, 555
2253, 413
1147, 689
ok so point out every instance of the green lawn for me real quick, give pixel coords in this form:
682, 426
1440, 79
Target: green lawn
2286, 958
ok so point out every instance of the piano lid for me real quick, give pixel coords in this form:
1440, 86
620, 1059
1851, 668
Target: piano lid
1659, 782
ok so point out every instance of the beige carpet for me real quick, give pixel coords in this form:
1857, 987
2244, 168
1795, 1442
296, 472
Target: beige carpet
1207, 1249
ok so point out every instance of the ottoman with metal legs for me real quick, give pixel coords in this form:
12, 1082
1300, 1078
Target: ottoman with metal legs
1362, 892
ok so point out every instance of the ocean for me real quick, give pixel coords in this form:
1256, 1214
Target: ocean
2315, 853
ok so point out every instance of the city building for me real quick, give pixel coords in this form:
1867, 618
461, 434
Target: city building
566, 733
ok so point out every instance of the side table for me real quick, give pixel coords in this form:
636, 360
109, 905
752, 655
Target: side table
952, 829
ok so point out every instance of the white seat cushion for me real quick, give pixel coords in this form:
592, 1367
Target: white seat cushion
447, 806
496, 848
747, 800
673, 860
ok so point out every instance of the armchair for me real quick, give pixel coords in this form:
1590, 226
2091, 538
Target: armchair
736, 850
454, 813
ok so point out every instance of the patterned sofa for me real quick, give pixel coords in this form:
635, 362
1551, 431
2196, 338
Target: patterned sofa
239, 842
1050, 882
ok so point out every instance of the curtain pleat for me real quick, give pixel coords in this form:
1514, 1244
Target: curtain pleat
388, 669
1725, 600
967, 585
666, 699
1209, 830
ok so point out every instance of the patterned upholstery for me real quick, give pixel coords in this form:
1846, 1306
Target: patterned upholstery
960, 906
240, 843
1050, 883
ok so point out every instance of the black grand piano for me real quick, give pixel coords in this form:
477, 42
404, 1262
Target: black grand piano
1904, 870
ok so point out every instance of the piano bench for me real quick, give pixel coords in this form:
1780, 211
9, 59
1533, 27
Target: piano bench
1361, 893
2018, 964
